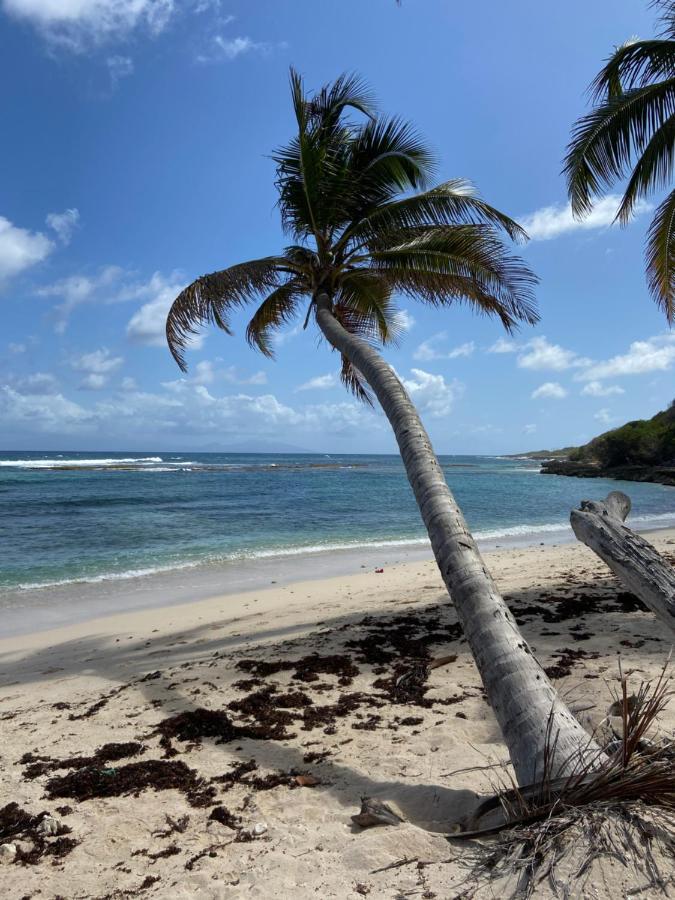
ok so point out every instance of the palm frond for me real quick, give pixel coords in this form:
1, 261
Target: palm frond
634, 64
370, 295
211, 298
604, 141
660, 255
348, 91
276, 310
465, 263
454, 202
653, 170
355, 382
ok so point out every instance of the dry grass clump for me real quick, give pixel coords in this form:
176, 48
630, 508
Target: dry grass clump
560, 834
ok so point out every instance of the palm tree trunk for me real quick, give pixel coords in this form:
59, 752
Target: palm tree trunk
543, 737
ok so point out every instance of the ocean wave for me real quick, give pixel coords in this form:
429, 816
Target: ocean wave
525, 532
76, 463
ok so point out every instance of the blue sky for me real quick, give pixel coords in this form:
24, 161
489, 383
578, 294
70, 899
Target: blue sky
135, 156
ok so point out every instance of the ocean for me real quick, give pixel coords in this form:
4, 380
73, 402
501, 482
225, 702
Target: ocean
81, 520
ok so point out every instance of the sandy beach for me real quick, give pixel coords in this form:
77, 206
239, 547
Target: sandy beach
255, 799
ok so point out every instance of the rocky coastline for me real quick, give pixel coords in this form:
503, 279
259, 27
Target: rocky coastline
657, 474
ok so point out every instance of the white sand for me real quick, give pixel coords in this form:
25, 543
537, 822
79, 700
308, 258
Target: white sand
310, 847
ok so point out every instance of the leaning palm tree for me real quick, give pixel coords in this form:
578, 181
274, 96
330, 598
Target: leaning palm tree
631, 134
355, 199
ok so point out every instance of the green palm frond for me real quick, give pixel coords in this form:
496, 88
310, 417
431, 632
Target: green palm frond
653, 170
604, 141
454, 202
634, 64
369, 294
661, 256
278, 309
211, 298
440, 264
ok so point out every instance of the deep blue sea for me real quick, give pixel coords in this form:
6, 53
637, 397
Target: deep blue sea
100, 517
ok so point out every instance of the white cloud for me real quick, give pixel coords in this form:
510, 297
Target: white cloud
64, 224
119, 67
656, 354
78, 289
404, 320
17, 348
597, 389
540, 354
529, 429
428, 350
321, 382
20, 248
128, 384
549, 389
282, 337
604, 417
37, 383
40, 413
77, 25
97, 367
148, 324
222, 48
431, 393
502, 345
233, 377
98, 362
552, 221
93, 382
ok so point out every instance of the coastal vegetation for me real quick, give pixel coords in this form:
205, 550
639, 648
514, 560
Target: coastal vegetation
641, 450
354, 197
630, 134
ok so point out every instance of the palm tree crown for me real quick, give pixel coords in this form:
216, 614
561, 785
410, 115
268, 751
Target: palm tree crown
630, 134
355, 199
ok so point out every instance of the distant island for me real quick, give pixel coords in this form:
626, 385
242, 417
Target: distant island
642, 450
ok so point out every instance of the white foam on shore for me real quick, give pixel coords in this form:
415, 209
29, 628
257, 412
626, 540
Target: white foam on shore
84, 463
521, 534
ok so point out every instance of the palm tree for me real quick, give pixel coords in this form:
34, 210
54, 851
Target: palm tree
631, 134
355, 200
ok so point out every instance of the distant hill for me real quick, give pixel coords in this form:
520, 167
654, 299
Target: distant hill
641, 450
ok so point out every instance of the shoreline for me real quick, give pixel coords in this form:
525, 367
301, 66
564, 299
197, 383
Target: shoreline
99, 605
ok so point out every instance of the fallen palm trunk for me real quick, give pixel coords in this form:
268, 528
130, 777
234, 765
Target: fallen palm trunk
600, 525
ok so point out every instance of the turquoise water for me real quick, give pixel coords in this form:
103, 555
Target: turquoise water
93, 517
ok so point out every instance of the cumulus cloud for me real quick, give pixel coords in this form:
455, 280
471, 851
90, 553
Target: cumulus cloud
78, 25
16, 348
36, 383
529, 429
429, 350
656, 354
40, 413
431, 393
502, 345
97, 367
552, 221
148, 324
549, 389
20, 249
321, 382
597, 389
64, 224
605, 417
207, 372
540, 354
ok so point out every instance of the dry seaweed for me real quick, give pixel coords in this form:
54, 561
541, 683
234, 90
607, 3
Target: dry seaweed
160, 775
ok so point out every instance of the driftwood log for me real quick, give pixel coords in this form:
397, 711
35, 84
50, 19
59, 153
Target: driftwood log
600, 525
